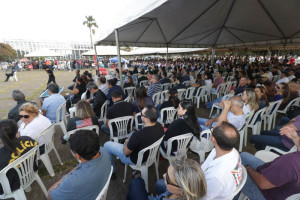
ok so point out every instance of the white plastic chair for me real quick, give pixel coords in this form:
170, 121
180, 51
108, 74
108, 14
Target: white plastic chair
103, 193
24, 168
171, 115
203, 145
248, 117
48, 136
129, 99
199, 95
84, 96
61, 118
189, 94
93, 127
156, 98
266, 156
182, 142
294, 197
216, 105
254, 124
143, 167
293, 149
164, 96
241, 185
181, 93
165, 86
172, 85
288, 106
130, 91
144, 83
187, 83
270, 114
137, 118
14, 77
121, 124
207, 94
219, 91
103, 112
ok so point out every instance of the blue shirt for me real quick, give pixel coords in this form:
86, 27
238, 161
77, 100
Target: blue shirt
86, 182
51, 104
154, 88
164, 80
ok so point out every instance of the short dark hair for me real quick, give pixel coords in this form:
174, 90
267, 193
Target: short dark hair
285, 73
116, 94
164, 73
17, 95
85, 143
151, 113
179, 78
111, 82
130, 72
224, 137
92, 86
102, 79
53, 87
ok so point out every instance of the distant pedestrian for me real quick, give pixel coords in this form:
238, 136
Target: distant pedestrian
51, 75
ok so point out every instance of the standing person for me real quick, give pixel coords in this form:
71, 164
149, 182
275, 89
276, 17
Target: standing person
10, 74
51, 75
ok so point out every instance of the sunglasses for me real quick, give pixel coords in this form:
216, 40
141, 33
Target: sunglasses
169, 182
24, 116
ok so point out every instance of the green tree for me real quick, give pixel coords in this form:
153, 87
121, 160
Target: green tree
7, 52
90, 23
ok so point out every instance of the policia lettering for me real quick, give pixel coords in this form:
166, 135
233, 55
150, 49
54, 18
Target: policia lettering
25, 145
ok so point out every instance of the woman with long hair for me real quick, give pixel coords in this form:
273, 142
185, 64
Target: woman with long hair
262, 96
11, 148
251, 101
129, 82
282, 92
270, 87
184, 180
142, 99
186, 123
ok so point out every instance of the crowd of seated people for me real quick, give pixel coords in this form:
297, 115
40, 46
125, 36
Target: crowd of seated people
220, 174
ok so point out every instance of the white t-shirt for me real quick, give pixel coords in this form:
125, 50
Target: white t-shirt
237, 121
222, 175
246, 109
35, 127
208, 82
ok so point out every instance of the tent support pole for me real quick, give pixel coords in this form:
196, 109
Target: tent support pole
97, 67
119, 57
213, 52
167, 57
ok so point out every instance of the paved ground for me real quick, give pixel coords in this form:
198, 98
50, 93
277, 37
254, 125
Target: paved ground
32, 83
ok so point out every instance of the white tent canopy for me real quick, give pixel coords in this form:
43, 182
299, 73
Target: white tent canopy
210, 23
43, 53
112, 50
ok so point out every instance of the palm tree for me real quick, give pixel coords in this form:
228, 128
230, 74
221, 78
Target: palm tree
90, 22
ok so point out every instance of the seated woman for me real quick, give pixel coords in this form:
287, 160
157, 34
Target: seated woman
251, 101
129, 82
85, 116
142, 99
176, 184
262, 96
33, 123
11, 148
186, 123
78, 90
270, 87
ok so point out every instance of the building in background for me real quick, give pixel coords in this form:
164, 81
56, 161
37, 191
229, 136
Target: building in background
70, 50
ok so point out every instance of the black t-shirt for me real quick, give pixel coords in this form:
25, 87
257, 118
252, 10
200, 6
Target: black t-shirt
177, 127
50, 73
120, 109
24, 144
142, 78
142, 139
82, 88
98, 101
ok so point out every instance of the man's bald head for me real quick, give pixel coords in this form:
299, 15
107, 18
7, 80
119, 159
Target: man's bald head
226, 136
237, 101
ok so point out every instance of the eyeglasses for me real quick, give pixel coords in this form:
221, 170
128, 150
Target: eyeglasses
169, 182
25, 116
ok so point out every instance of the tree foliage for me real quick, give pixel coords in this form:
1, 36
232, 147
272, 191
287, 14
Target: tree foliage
7, 52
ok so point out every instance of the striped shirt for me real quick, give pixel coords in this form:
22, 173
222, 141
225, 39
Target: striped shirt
154, 88
84, 122
104, 88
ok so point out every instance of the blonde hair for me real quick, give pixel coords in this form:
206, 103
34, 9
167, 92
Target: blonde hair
30, 108
190, 178
253, 100
84, 110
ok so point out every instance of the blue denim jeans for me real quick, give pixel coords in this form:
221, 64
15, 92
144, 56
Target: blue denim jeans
267, 138
201, 122
210, 104
160, 186
105, 129
114, 148
250, 189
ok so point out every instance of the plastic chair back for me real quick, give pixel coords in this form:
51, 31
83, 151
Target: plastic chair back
164, 96
187, 83
130, 91
48, 136
171, 115
103, 111
144, 83
137, 118
165, 86
241, 184
129, 99
156, 98
103, 193
182, 142
92, 128
61, 113
181, 93
121, 124
152, 149
189, 93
